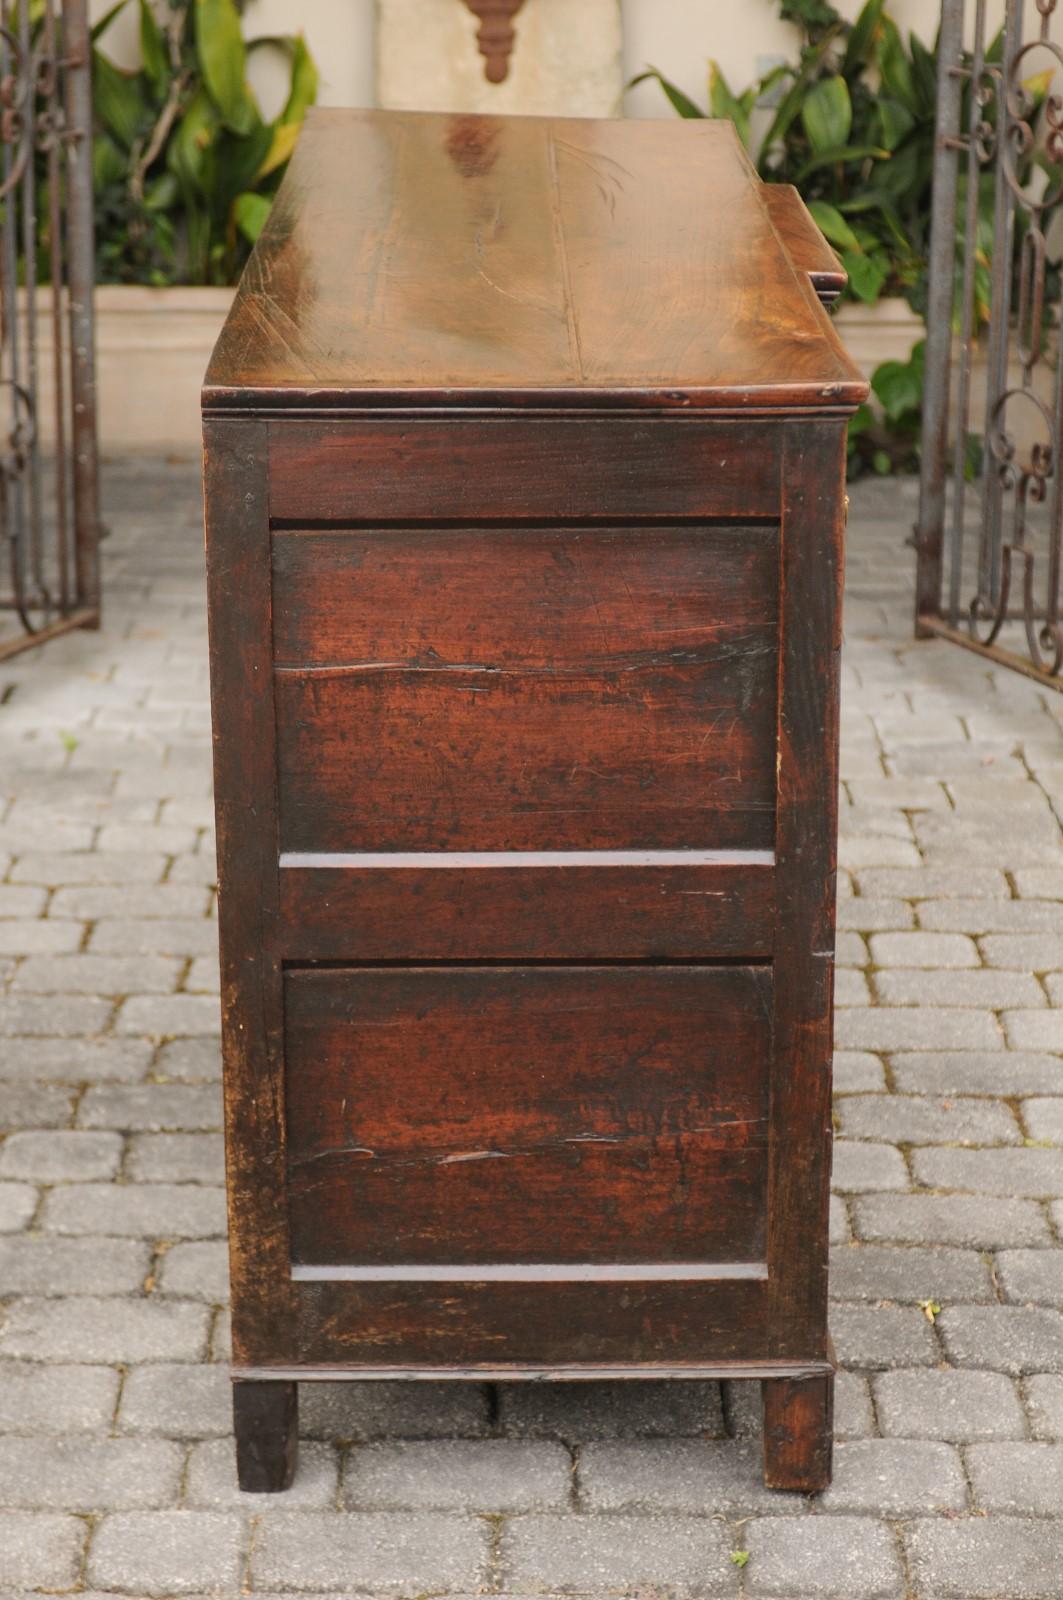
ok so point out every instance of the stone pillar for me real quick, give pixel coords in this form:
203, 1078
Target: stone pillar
566, 61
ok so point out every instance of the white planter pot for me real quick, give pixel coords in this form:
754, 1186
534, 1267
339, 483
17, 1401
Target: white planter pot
152, 349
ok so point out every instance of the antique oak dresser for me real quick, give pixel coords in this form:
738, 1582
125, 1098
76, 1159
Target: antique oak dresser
525, 445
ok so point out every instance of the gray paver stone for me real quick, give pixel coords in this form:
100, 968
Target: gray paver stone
61, 1155
198, 1270
394, 1552
39, 1264
176, 1158
703, 1477
166, 1015
182, 1401
65, 1400
18, 1202
889, 1028
1026, 1173
838, 1558
85, 1474
136, 1210
1017, 1478
383, 1410
152, 1107
1014, 1339
492, 1475
1031, 1276
896, 1478
104, 1330
75, 1060
910, 1274
975, 1559
857, 1072
1044, 1402
860, 1167
979, 1221
40, 1551
618, 1552
918, 1119
959, 1407
190, 1061
874, 1337
1044, 1116
168, 1552
972, 1072
602, 1410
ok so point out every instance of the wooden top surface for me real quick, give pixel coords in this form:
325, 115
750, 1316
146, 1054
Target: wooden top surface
418, 258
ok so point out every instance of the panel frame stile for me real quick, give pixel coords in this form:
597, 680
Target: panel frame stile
236, 475
799, 1159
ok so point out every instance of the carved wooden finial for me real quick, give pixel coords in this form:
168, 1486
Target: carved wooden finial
496, 34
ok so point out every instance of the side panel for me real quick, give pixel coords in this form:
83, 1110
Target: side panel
557, 1114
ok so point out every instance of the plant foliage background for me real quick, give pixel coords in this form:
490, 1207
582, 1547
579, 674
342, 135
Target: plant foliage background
185, 164
850, 123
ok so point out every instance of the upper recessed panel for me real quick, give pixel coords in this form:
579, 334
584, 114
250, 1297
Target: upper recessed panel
517, 260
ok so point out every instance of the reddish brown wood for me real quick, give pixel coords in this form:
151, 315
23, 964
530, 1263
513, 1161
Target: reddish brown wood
525, 699
568, 906
496, 34
504, 469
798, 1432
433, 259
804, 244
527, 1114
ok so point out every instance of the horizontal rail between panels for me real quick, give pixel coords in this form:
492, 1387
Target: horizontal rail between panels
508, 860
537, 1272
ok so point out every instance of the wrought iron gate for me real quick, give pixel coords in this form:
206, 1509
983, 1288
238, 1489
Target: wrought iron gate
49, 506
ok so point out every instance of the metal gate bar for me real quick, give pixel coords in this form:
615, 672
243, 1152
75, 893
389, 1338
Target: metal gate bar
989, 574
49, 480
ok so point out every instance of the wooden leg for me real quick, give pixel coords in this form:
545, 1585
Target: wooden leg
798, 1432
266, 1423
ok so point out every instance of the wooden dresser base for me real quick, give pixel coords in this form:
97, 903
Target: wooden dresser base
798, 1410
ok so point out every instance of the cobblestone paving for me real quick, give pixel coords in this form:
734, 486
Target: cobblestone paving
115, 1460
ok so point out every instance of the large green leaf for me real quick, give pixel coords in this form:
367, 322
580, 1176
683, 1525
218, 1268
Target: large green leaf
188, 153
109, 163
304, 83
894, 67
898, 385
725, 104
867, 274
838, 156
678, 100
250, 212
895, 121
223, 58
790, 105
833, 226
861, 37
153, 51
827, 114
118, 100
924, 75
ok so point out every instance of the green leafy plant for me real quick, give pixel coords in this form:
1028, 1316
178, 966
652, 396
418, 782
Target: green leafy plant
852, 127
185, 165
850, 123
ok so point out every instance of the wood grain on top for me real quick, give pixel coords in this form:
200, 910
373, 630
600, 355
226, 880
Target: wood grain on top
456, 259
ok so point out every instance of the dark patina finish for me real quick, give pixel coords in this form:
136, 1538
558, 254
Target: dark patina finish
525, 449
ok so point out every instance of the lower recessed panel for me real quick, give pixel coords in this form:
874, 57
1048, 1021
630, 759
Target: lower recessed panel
446, 1116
